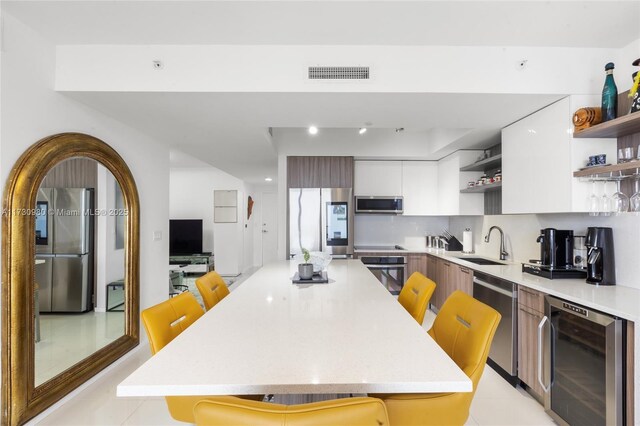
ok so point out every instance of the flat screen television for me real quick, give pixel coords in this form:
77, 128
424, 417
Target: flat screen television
185, 236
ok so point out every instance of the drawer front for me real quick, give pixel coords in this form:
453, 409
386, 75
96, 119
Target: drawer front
530, 298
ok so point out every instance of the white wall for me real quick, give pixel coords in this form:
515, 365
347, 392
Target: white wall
521, 232
281, 68
624, 69
31, 110
191, 197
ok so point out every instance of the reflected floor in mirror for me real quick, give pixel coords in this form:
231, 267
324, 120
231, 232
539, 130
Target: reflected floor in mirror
66, 339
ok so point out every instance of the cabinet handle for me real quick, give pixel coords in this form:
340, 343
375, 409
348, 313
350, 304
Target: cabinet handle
544, 388
464, 270
446, 264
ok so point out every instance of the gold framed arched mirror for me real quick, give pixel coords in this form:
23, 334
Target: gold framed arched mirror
29, 384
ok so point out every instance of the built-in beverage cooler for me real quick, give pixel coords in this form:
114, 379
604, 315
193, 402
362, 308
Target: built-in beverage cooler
583, 371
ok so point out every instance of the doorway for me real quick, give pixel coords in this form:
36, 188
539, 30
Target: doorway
269, 227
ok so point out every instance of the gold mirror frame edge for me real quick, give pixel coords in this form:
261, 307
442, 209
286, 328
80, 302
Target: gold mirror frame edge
21, 400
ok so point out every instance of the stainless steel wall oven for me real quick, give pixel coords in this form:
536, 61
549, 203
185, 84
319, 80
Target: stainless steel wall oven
391, 271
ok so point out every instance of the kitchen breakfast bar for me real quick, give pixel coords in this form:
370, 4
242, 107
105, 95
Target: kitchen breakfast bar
270, 336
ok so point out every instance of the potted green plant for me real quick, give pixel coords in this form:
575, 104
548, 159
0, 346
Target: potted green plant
305, 270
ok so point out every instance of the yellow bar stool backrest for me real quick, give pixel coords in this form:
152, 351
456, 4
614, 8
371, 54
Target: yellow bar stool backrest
212, 288
415, 295
464, 329
230, 411
163, 322
166, 320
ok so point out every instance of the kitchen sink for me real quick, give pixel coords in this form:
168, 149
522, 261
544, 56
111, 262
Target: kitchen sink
481, 261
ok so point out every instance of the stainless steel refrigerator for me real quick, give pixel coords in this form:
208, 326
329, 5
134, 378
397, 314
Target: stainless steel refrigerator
64, 247
321, 219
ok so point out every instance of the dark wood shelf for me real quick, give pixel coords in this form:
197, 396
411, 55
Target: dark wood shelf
483, 165
625, 168
621, 126
482, 188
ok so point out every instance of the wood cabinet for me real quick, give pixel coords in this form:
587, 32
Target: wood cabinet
420, 188
529, 148
378, 178
416, 263
530, 313
460, 278
442, 279
319, 172
448, 277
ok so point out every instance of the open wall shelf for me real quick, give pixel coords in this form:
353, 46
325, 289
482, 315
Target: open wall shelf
487, 164
605, 171
482, 188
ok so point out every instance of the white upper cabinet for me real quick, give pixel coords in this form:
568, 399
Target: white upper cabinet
539, 156
451, 180
429, 188
378, 178
420, 188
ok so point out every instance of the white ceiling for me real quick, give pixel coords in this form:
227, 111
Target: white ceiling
230, 130
461, 23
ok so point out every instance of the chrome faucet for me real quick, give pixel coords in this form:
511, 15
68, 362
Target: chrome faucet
503, 253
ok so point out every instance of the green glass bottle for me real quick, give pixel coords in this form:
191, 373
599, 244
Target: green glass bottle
609, 95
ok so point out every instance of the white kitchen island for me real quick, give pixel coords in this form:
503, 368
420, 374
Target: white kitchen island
273, 337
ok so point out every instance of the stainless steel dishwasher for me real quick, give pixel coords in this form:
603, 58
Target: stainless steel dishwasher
502, 296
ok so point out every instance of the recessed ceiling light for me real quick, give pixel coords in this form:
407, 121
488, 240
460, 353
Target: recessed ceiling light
268, 179
313, 130
362, 130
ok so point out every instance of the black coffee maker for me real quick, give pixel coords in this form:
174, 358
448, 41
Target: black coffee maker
601, 267
556, 248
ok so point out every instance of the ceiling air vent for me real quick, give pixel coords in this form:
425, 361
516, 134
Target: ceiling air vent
338, 73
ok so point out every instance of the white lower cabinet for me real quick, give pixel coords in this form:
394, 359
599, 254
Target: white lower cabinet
539, 156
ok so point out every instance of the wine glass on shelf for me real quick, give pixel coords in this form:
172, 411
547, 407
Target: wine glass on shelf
605, 201
634, 202
594, 200
619, 200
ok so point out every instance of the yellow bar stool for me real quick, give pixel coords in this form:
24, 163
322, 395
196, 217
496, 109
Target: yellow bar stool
416, 294
163, 323
212, 288
230, 411
464, 329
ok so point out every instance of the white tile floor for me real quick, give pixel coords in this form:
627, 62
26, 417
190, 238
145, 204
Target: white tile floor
66, 339
495, 402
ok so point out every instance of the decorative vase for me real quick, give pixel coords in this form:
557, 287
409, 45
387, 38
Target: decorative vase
305, 270
609, 95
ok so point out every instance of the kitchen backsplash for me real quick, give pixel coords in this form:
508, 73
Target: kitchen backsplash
408, 231
521, 232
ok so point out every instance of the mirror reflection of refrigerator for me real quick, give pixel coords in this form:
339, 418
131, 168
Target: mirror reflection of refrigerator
321, 219
64, 249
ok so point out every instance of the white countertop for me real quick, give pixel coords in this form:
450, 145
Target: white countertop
271, 336
617, 300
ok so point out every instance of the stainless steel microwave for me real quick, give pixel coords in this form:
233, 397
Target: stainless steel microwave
375, 204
